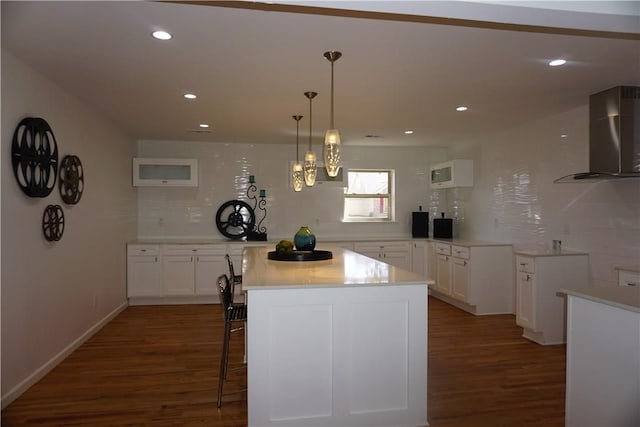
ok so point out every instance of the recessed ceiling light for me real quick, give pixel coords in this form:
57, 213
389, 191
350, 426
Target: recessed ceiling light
203, 125
557, 62
564, 135
190, 96
408, 132
462, 108
161, 35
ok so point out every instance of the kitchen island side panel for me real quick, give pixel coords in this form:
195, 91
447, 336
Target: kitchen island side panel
353, 356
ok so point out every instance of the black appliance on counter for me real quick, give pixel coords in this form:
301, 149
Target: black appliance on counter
420, 224
443, 228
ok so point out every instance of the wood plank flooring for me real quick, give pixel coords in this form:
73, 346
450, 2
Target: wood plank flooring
158, 366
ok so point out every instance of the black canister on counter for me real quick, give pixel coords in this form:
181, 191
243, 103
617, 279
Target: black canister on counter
420, 224
443, 228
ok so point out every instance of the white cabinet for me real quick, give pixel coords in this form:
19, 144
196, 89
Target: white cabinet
396, 253
539, 310
192, 269
454, 173
477, 278
419, 257
144, 271
628, 276
149, 172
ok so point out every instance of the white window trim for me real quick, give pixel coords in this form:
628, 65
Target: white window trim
390, 196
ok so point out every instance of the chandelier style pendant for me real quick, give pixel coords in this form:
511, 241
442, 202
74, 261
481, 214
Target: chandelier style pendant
296, 172
310, 160
331, 148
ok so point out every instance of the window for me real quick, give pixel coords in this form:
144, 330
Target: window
369, 196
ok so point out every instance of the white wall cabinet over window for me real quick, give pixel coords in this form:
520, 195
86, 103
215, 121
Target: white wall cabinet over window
144, 271
396, 253
148, 172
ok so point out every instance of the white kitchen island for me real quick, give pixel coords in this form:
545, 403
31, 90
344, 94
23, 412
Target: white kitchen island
341, 342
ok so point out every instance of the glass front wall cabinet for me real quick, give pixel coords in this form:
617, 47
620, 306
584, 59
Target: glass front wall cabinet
149, 172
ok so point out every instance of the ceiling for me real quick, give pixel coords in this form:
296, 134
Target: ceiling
405, 65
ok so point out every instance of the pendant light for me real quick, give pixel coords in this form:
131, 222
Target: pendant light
310, 160
331, 147
296, 172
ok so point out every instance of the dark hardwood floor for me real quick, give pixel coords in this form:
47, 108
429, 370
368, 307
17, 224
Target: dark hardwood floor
158, 366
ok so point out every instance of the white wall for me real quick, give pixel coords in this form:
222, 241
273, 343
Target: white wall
53, 294
515, 200
224, 172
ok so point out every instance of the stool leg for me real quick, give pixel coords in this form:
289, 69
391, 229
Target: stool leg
224, 359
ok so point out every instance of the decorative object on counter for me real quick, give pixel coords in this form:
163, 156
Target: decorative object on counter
34, 156
300, 256
310, 160
251, 190
297, 173
71, 179
443, 227
331, 149
420, 223
304, 239
53, 223
259, 232
235, 219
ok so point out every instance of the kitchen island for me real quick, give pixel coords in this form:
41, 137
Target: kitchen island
340, 342
603, 357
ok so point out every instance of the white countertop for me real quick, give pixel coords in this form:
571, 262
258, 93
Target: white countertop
624, 297
346, 269
548, 252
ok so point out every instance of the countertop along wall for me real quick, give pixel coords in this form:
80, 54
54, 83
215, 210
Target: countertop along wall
515, 200
224, 171
55, 294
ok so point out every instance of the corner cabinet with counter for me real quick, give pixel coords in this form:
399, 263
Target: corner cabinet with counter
339, 342
540, 275
474, 276
603, 357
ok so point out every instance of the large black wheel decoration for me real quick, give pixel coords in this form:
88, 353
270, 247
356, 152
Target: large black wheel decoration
71, 179
34, 155
53, 223
235, 219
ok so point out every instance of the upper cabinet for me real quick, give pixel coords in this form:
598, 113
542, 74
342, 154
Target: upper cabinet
454, 173
149, 172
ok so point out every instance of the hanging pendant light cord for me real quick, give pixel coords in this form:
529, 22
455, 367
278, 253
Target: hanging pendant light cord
332, 95
310, 119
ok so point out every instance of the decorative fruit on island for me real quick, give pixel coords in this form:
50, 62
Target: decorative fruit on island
284, 247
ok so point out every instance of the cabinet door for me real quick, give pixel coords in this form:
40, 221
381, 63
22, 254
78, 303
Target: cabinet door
443, 279
208, 269
419, 258
526, 302
178, 274
143, 276
400, 259
460, 279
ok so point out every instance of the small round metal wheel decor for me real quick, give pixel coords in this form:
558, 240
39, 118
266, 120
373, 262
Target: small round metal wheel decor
53, 223
34, 156
235, 219
71, 179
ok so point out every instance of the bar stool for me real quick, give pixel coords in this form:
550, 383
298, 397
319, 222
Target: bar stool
237, 278
233, 313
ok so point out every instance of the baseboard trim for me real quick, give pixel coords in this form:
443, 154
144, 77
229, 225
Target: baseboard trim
39, 373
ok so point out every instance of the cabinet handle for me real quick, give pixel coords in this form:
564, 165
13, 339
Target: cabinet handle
464, 262
155, 259
143, 250
528, 278
194, 250
632, 284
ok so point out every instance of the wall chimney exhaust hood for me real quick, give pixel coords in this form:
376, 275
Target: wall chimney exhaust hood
614, 136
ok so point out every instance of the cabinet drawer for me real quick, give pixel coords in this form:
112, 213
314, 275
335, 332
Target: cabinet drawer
628, 278
460, 252
194, 250
443, 248
137, 250
525, 265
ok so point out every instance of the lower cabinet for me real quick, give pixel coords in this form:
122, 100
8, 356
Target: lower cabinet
144, 271
192, 269
396, 253
477, 278
539, 310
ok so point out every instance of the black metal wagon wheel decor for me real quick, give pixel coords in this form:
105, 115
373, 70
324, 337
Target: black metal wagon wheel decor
235, 219
34, 156
71, 179
53, 223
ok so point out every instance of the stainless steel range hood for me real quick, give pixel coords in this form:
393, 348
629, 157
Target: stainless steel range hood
614, 135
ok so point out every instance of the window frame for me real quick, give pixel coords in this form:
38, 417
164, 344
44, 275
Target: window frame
390, 196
